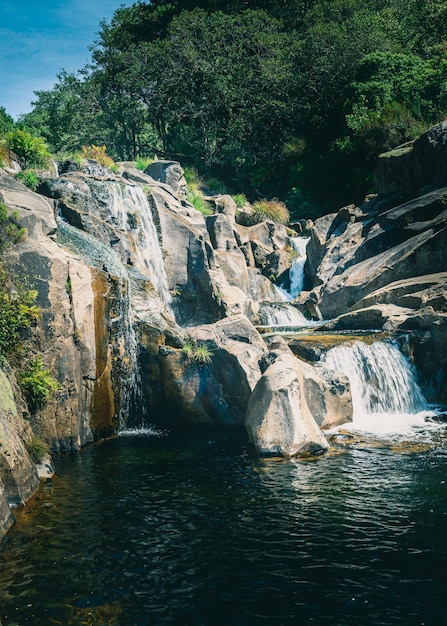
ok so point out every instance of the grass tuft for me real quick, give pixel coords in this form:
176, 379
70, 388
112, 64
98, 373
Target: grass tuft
269, 210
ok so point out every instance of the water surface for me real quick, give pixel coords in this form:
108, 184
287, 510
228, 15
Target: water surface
194, 530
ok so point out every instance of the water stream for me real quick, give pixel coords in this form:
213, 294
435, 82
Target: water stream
297, 270
386, 397
128, 201
284, 314
281, 314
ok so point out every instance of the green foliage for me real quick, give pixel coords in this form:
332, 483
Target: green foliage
37, 384
4, 157
240, 200
271, 99
215, 186
198, 201
192, 176
37, 449
6, 122
188, 349
10, 230
141, 163
30, 178
301, 206
195, 194
269, 210
199, 352
30, 149
97, 153
202, 353
17, 309
17, 312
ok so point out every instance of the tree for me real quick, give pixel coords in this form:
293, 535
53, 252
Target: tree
215, 88
6, 122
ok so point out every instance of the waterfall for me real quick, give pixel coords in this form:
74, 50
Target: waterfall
385, 395
281, 314
149, 256
296, 272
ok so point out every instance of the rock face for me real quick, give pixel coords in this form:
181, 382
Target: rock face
381, 265
18, 474
408, 168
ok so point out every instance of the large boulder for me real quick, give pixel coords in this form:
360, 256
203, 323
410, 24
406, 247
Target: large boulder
216, 390
415, 292
169, 172
288, 401
355, 254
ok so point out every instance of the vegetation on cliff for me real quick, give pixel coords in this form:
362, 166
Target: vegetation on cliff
18, 312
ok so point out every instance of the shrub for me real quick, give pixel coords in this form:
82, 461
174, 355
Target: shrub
10, 231
199, 202
195, 194
97, 153
29, 178
141, 163
269, 210
37, 449
37, 384
192, 176
188, 349
215, 185
17, 313
240, 200
31, 150
202, 354
4, 156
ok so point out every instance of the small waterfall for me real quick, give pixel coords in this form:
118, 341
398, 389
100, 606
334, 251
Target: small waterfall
122, 340
384, 391
281, 314
149, 257
296, 272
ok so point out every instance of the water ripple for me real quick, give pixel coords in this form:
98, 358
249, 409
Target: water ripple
196, 532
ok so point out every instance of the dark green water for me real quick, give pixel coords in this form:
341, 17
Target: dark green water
194, 530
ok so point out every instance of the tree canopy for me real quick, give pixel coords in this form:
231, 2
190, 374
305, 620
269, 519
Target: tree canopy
290, 99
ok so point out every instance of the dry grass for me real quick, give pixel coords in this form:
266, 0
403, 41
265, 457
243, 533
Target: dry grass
270, 211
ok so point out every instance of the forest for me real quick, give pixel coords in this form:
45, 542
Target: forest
281, 99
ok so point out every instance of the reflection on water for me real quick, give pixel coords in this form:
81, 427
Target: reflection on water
194, 530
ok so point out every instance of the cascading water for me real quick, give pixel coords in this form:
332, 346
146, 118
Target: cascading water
128, 200
126, 207
297, 270
385, 395
281, 314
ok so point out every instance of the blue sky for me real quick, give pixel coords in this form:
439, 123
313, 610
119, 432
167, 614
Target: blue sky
38, 38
